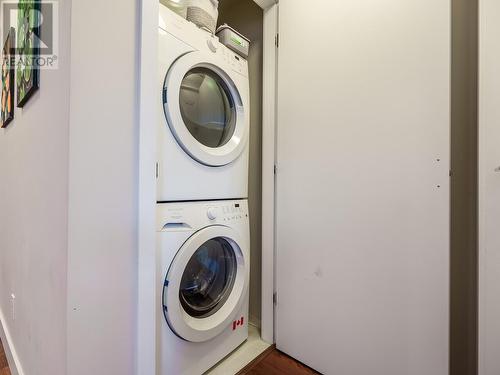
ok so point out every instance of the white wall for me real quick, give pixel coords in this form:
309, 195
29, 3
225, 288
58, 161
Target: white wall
33, 216
489, 188
102, 247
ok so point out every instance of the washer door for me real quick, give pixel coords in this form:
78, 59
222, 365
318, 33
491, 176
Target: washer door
206, 284
204, 110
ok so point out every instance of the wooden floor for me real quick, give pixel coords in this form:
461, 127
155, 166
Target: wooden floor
273, 362
4, 366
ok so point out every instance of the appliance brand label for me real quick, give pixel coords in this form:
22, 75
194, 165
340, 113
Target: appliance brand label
238, 323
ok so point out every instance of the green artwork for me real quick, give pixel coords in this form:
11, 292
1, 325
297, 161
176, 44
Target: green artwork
28, 31
7, 109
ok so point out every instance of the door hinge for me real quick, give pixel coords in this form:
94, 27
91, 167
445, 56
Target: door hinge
277, 40
157, 170
275, 170
275, 298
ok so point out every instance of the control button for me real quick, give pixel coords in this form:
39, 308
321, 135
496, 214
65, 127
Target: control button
212, 213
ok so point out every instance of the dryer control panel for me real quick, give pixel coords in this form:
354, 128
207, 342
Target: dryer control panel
236, 62
199, 40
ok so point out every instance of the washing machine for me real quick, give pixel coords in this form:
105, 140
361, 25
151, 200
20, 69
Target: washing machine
203, 281
203, 130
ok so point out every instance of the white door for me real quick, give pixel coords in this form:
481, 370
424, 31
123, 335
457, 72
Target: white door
206, 284
363, 185
204, 109
489, 189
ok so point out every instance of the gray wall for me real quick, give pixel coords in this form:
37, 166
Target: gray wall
247, 17
33, 216
464, 259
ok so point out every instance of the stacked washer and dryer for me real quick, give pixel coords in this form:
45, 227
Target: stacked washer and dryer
202, 217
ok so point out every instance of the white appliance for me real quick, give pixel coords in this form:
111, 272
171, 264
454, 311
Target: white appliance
204, 122
204, 250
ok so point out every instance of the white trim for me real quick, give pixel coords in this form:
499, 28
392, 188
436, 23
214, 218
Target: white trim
488, 252
482, 329
268, 178
265, 4
10, 351
148, 117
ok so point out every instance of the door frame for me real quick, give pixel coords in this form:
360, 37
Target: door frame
489, 256
146, 216
269, 102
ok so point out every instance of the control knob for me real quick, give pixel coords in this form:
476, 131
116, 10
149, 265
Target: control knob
212, 213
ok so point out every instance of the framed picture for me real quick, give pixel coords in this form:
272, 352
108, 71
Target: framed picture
28, 33
8, 56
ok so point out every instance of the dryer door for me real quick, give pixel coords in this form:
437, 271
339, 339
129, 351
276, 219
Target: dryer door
204, 109
206, 284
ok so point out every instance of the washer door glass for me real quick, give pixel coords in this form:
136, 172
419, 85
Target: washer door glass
207, 107
206, 285
208, 278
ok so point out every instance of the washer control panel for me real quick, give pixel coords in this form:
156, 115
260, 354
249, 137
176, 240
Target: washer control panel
233, 212
188, 216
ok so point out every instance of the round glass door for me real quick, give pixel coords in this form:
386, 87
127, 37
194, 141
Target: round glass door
204, 106
207, 107
206, 284
208, 278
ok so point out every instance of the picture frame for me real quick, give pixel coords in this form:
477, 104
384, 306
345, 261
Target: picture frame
28, 47
7, 82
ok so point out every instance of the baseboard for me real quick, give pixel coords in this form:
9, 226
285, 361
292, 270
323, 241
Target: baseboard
8, 346
257, 360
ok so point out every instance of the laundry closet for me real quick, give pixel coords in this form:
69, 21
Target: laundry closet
357, 151
350, 152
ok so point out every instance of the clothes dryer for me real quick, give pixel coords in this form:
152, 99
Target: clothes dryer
203, 129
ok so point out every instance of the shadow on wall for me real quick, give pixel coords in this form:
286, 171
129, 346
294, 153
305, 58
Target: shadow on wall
247, 17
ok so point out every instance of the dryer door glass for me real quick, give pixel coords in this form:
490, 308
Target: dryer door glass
208, 278
207, 107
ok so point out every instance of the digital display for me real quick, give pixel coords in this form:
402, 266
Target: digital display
236, 205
